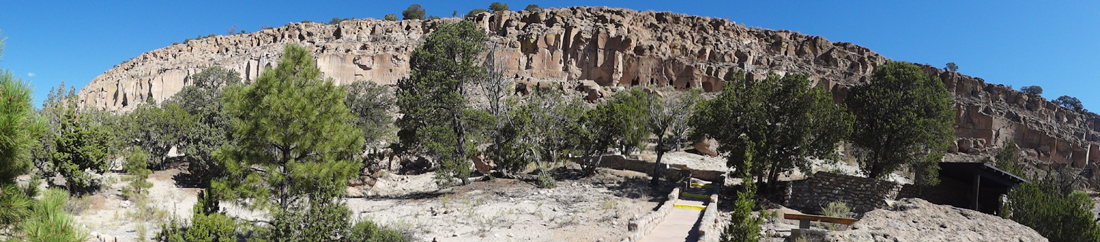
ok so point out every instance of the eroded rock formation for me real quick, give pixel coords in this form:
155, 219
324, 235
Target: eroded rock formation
591, 48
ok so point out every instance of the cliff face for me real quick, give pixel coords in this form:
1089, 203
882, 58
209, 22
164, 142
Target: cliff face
607, 47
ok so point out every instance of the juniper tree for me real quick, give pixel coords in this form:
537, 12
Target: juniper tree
783, 119
902, 117
438, 120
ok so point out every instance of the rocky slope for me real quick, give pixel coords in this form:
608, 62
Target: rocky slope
586, 47
918, 220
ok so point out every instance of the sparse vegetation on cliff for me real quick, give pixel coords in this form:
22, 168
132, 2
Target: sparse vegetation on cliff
414, 12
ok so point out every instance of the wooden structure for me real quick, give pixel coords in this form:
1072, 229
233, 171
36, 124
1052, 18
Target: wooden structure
805, 219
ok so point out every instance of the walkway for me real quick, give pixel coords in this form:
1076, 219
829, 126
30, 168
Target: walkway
682, 223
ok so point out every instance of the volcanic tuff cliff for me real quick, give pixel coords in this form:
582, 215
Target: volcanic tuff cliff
607, 47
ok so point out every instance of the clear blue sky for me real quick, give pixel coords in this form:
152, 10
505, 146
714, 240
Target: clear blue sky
1054, 44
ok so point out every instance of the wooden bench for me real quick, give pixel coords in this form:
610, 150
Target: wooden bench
805, 219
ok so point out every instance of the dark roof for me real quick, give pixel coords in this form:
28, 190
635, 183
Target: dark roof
965, 171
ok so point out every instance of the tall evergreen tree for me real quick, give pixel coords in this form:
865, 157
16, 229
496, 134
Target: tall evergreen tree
438, 120
902, 117
293, 148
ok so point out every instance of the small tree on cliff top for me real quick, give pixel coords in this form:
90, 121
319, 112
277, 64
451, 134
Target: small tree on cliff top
414, 12
902, 117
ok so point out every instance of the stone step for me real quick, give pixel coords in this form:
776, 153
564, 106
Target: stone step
690, 206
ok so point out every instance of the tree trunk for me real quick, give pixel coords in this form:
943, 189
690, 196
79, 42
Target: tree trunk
656, 177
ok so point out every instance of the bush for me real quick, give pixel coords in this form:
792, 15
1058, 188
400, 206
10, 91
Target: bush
743, 226
497, 6
952, 67
368, 231
1034, 90
533, 7
1057, 213
474, 12
50, 222
390, 17
837, 210
414, 12
137, 164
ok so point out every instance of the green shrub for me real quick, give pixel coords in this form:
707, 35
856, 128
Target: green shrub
212, 227
836, 209
15, 204
743, 226
137, 164
533, 7
497, 6
170, 231
1053, 209
474, 12
368, 231
50, 222
390, 17
414, 12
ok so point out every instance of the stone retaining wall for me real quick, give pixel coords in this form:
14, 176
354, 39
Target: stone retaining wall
641, 226
859, 193
621, 162
708, 225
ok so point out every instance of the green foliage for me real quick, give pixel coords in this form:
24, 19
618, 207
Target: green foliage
137, 164
1008, 159
214, 77
336, 20
533, 7
413, 12
49, 222
836, 209
15, 203
474, 12
619, 123
158, 129
667, 119
497, 6
903, 117
438, 120
1071, 103
291, 137
539, 130
952, 67
211, 227
207, 132
371, 104
57, 101
323, 220
367, 231
390, 17
784, 117
20, 130
170, 231
743, 226
78, 147
1057, 213
1033, 90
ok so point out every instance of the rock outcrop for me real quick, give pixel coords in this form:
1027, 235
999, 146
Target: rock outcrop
588, 49
918, 220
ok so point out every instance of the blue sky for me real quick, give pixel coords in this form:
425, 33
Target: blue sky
1053, 44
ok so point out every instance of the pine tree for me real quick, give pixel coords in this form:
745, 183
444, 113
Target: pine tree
293, 147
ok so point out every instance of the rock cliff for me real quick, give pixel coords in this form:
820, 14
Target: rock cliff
588, 47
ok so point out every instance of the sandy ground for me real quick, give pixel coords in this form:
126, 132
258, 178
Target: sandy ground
596, 208
590, 209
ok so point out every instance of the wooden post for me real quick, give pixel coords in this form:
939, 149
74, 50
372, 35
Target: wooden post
977, 185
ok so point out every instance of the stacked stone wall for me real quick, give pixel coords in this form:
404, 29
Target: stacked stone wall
860, 194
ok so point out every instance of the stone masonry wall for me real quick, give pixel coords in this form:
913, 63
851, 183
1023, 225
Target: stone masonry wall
860, 194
